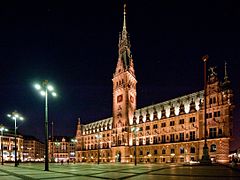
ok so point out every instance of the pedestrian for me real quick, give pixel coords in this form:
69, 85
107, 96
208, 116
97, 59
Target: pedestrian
61, 162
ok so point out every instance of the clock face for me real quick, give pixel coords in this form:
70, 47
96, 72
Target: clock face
131, 99
119, 98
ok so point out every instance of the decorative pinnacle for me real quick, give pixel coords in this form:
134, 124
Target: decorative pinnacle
225, 72
205, 58
124, 17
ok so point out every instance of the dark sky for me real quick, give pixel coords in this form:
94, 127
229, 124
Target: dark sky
74, 44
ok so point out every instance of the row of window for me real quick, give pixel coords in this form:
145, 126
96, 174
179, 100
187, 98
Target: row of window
172, 123
95, 137
173, 137
214, 114
213, 148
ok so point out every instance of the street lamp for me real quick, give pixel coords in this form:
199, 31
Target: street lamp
135, 130
98, 136
15, 116
205, 157
44, 90
2, 129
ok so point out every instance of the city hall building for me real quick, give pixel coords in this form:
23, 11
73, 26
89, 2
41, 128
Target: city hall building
171, 131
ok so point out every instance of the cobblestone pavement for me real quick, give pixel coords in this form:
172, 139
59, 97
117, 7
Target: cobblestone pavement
117, 171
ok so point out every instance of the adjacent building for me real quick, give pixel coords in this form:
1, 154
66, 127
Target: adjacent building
8, 146
33, 149
61, 148
170, 131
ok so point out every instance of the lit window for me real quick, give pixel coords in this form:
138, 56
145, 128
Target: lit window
213, 148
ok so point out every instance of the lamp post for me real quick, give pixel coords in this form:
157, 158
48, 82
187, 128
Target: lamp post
44, 90
98, 136
135, 130
205, 157
15, 116
2, 129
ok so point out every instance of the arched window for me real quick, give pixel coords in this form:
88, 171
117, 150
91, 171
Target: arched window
163, 151
192, 149
181, 150
213, 148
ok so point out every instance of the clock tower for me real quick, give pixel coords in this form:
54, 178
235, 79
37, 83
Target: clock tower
124, 93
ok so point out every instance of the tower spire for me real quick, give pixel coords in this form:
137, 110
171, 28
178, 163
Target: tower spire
124, 29
124, 48
225, 72
124, 18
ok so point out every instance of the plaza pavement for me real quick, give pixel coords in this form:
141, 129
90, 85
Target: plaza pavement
117, 171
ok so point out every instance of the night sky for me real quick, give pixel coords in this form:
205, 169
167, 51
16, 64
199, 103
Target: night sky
74, 44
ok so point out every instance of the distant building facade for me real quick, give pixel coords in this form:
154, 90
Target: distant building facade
171, 131
8, 145
61, 148
33, 149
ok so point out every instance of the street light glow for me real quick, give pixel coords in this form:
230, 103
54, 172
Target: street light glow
50, 88
37, 86
42, 93
44, 88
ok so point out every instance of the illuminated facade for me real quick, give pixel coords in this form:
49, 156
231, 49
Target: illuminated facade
33, 149
171, 131
61, 148
8, 145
